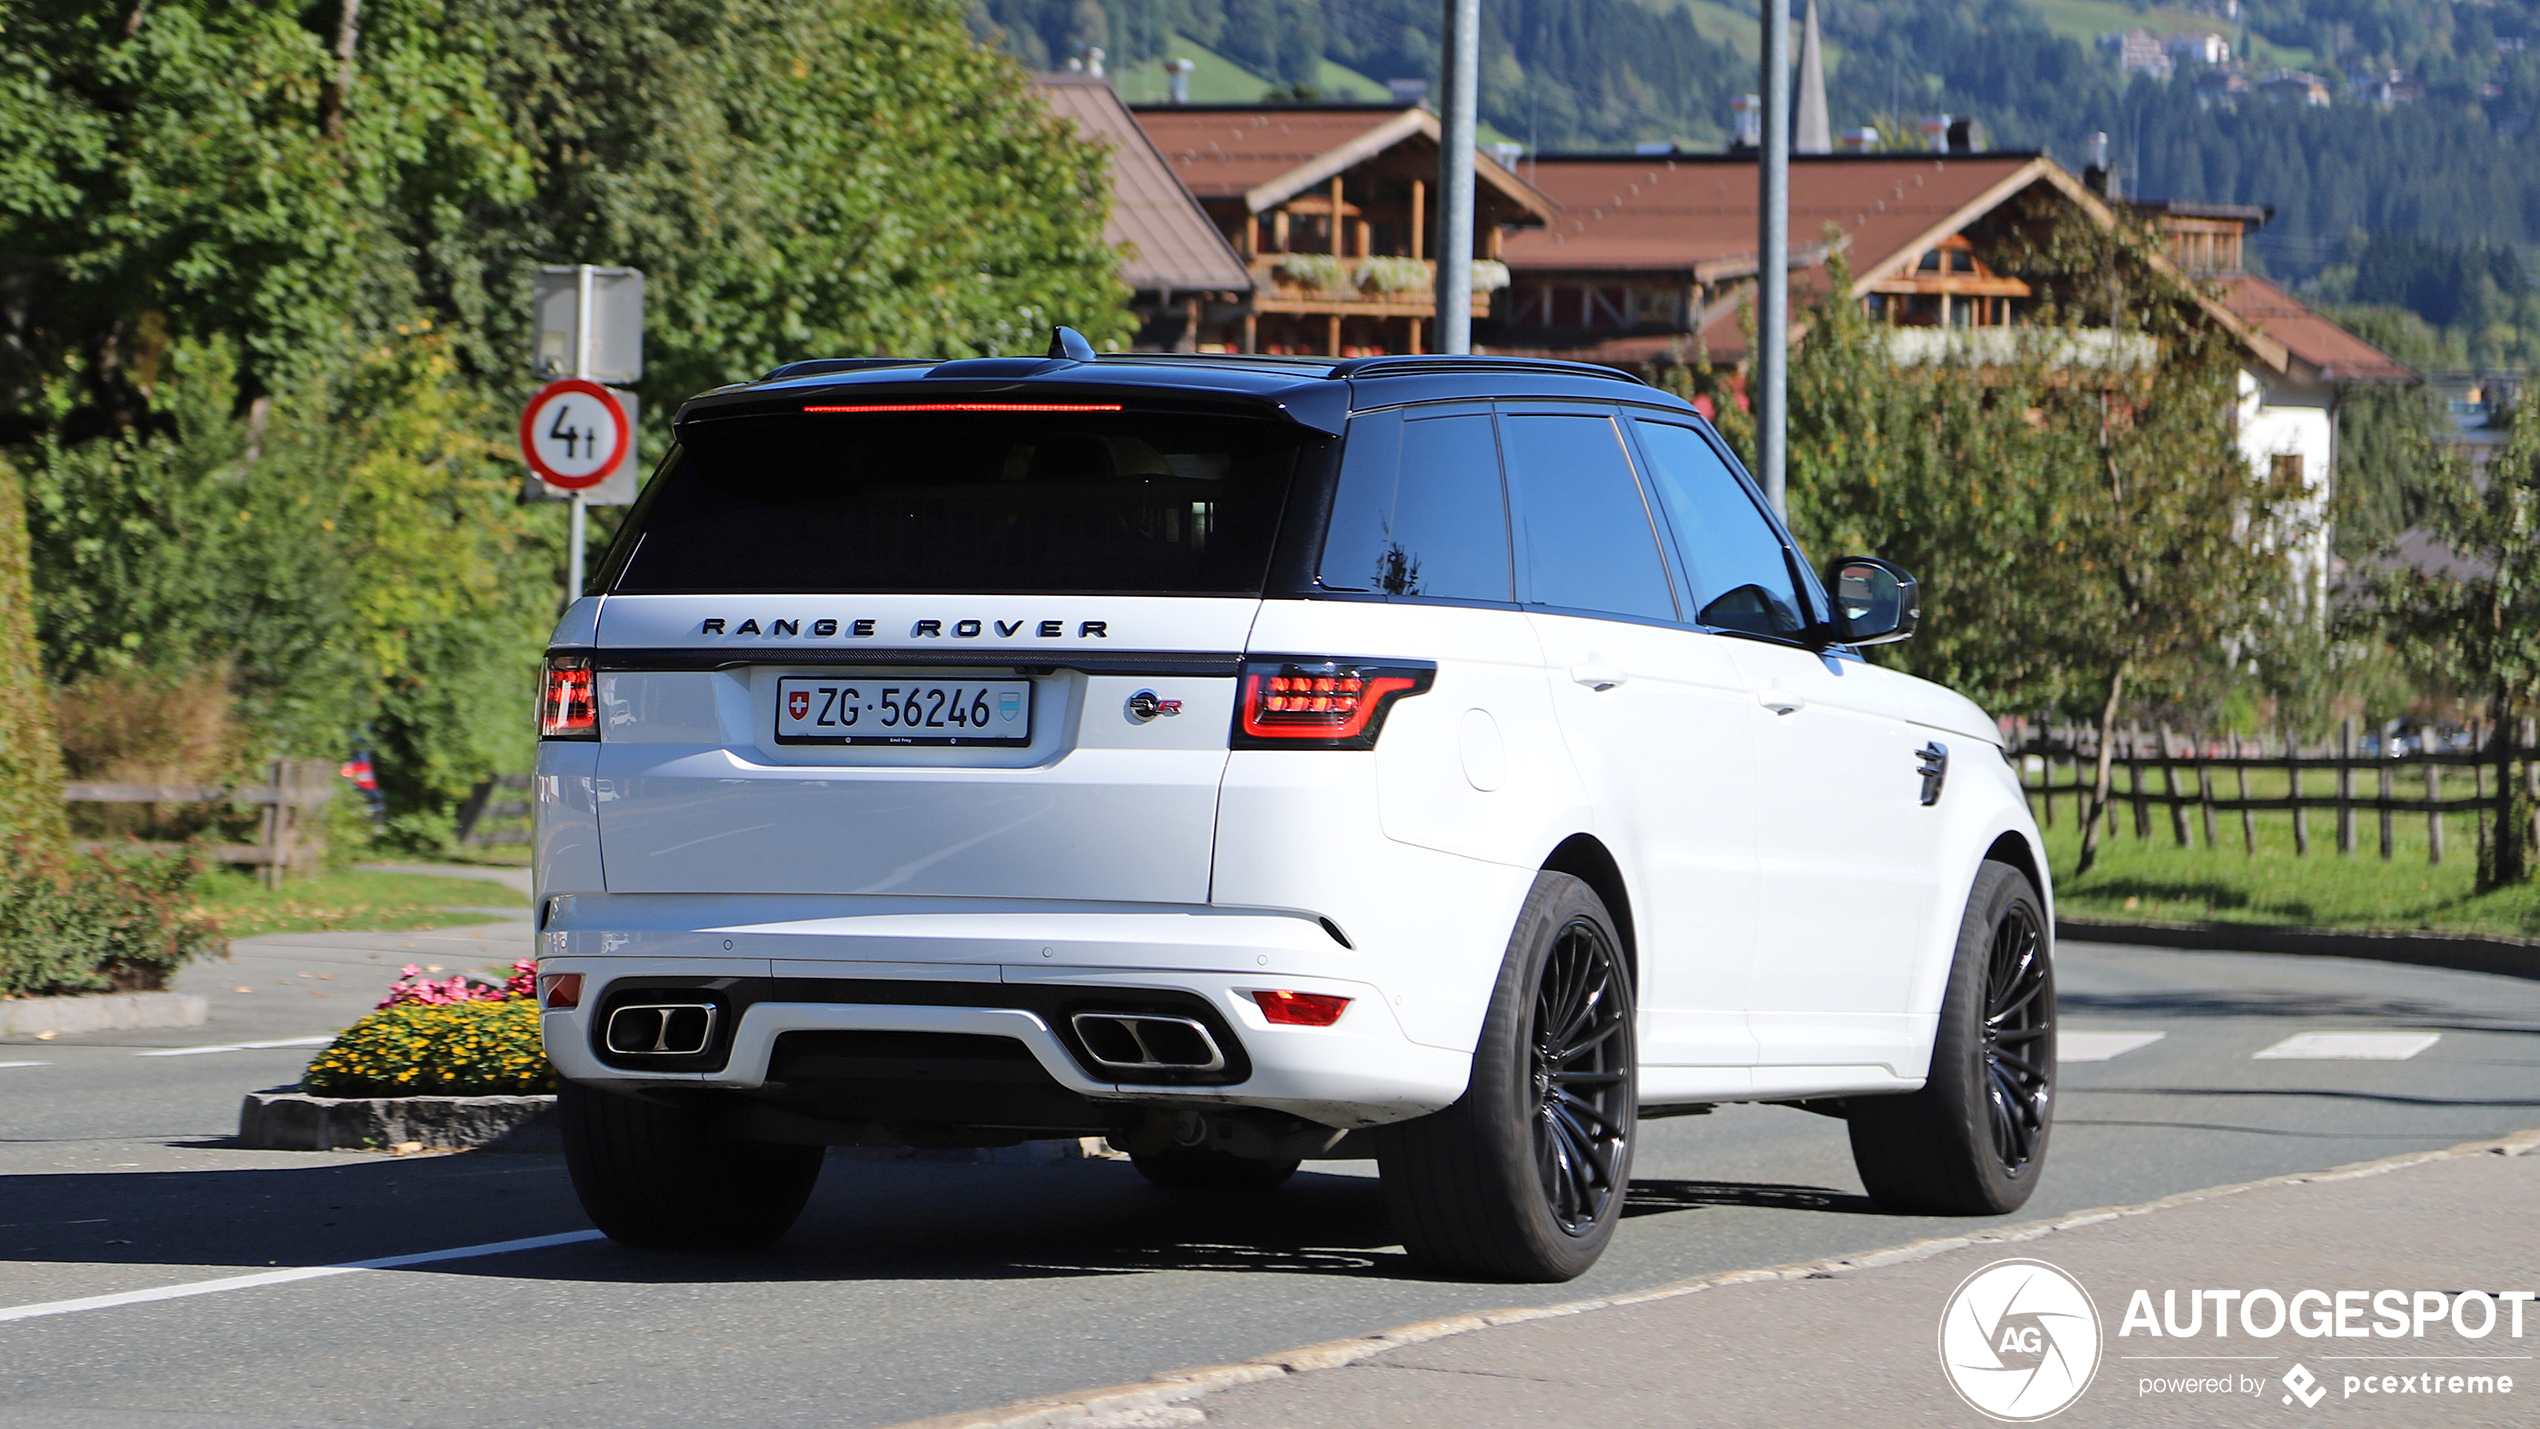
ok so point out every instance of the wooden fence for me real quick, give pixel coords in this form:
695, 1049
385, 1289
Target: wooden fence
487, 818
2208, 775
290, 826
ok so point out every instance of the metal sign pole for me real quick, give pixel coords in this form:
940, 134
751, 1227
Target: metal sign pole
1772, 267
1461, 69
581, 368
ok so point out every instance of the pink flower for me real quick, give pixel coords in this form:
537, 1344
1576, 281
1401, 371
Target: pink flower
414, 987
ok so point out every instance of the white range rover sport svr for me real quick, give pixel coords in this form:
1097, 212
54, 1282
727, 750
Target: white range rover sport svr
1445, 761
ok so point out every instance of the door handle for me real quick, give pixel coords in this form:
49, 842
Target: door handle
1598, 677
1780, 702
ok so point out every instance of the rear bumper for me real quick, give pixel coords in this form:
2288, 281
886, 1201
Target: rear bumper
1009, 973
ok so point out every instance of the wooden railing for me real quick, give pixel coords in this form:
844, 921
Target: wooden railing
290, 828
2211, 774
487, 818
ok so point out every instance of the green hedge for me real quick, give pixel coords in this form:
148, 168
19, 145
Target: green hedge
112, 923
457, 1049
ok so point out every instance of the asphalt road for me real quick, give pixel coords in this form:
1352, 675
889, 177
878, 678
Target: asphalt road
918, 1288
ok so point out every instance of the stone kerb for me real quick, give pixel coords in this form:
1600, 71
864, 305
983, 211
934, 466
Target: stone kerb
100, 1012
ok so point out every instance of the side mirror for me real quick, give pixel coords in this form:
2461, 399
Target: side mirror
1875, 601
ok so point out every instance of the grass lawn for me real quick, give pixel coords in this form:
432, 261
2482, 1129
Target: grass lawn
371, 902
2155, 880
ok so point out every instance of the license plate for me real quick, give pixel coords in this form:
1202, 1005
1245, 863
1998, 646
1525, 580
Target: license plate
898, 710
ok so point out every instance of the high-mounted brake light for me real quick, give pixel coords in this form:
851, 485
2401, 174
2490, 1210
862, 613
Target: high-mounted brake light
1301, 1009
1321, 704
566, 708
975, 407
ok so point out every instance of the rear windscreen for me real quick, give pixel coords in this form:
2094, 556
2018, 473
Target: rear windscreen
1113, 503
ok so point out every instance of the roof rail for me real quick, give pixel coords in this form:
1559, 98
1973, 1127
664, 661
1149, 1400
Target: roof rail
1403, 366
818, 366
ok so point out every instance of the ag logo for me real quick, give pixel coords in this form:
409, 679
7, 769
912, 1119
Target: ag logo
2019, 1340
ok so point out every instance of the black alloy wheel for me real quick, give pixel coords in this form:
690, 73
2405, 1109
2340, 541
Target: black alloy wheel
1581, 1126
1973, 1141
1524, 1177
2019, 1032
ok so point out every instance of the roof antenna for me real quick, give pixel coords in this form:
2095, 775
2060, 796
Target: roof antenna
1069, 345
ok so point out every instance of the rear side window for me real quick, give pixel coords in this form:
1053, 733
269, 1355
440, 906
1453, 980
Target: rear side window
1581, 521
978, 503
1740, 574
1420, 511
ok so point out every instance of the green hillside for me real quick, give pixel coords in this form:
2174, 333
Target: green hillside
1219, 80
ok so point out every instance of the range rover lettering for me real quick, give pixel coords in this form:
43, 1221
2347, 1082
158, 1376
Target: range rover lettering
1445, 761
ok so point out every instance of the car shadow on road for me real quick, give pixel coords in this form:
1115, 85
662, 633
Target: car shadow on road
2357, 1009
866, 1221
1654, 1197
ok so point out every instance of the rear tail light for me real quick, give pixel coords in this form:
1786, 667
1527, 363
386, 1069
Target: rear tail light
1321, 704
566, 708
559, 991
1301, 1009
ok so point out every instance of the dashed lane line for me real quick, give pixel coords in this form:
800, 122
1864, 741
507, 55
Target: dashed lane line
2349, 1047
285, 1277
238, 1047
2072, 1046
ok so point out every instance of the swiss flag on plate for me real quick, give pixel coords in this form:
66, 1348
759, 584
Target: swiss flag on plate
798, 702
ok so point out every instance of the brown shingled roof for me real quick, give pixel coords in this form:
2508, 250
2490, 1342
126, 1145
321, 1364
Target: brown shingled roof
2339, 355
1698, 213
1263, 155
1174, 246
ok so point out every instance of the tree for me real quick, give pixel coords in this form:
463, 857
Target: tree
2070, 492
267, 274
2477, 619
30, 759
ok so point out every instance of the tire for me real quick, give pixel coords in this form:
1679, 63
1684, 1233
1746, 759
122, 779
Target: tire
1199, 1168
1973, 1141
1523, 1178
657, 1177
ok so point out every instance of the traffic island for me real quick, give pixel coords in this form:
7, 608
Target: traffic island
288, 1120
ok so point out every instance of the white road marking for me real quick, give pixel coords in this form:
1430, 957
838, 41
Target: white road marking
2350, 1046
238, 1047
25, 1064
2071, 1046
285, 1277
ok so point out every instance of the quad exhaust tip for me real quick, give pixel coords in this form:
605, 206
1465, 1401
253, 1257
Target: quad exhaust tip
661, 1029
1148, 1042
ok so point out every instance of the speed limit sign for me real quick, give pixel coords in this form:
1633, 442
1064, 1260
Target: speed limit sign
574, 433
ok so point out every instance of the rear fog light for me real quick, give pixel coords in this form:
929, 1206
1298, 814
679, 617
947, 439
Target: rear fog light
1301, 1009
559, 991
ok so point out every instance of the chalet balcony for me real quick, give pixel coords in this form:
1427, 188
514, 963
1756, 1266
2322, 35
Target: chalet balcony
1318, 284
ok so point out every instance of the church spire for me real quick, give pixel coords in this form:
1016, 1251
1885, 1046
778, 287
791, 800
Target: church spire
1815, 133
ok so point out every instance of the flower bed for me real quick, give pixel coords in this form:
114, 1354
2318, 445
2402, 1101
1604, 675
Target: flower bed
455, 1037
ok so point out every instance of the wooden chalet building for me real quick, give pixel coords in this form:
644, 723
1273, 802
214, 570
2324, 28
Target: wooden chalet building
1333, 210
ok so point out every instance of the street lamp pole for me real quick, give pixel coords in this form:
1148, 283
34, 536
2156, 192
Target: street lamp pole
1460, 69
1772, 264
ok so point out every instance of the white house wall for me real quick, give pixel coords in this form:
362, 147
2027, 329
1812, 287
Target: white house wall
2280, 415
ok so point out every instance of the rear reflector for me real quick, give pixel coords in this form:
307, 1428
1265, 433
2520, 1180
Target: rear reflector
975, 407
1321, 704
558, 991
1301, 1009
566, 709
